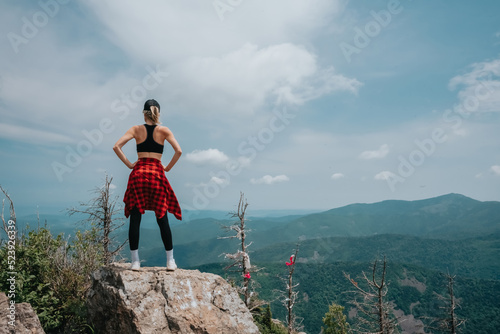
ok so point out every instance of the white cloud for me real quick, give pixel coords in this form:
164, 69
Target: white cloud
495, 169
65, 85
376, 154
337, 176
18, 133
214, 181
480, 88
219, 181
244, 79
172, 30
210, 156
268, 179
231, 66
225, 68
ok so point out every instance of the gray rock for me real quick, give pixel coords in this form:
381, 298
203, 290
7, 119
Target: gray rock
153, 300
26, 320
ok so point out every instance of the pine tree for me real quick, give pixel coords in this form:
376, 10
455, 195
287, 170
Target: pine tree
264, 319
335, 321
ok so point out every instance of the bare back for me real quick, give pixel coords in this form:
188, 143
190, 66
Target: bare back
140, 135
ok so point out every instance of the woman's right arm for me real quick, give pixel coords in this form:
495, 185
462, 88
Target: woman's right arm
119, 144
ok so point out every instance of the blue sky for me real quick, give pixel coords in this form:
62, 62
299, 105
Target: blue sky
300, 105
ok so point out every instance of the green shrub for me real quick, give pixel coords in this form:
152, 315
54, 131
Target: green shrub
264, 321
53, 275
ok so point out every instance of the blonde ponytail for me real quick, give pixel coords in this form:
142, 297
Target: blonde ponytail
153, 114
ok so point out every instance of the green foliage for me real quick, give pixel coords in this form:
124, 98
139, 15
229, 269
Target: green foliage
475, 257
264, 320
34, 252
322, 283
53, 275
335, 321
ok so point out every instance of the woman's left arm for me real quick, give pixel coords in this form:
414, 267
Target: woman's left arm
118, 147
169, 136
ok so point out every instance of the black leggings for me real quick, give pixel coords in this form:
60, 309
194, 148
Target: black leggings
135, 223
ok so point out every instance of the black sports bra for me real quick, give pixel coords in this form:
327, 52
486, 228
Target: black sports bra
149, 145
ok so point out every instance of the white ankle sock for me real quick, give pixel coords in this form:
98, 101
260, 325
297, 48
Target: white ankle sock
170, 255
135, 255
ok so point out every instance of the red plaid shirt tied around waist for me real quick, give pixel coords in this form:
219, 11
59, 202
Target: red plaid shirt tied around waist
149, 189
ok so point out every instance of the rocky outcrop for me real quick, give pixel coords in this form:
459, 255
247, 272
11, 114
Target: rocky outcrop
408, 323
153, 300
18, 318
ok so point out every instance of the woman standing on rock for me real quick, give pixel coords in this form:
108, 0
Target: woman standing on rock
148, 187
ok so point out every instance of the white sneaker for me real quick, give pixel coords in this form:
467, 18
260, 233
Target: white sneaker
136, 265
171, 266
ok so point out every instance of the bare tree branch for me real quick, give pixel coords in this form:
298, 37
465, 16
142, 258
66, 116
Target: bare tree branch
100, 212
12, 211
288, 297
241, 258
373, 309
450, 322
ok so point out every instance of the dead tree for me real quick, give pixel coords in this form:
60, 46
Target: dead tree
450, 322
288, 297
101, 211
374, 312
10, 225
241, 259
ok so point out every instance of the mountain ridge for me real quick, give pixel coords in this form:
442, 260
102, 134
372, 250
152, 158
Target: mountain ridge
432, 217
454, 219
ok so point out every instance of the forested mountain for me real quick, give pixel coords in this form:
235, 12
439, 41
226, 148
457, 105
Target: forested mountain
450, 216
413, 290
421, 240
448, 232
474, 257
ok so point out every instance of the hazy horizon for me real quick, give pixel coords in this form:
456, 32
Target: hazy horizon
60, 212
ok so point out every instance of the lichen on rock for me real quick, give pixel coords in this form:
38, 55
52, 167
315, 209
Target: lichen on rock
153, 300
25, 319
